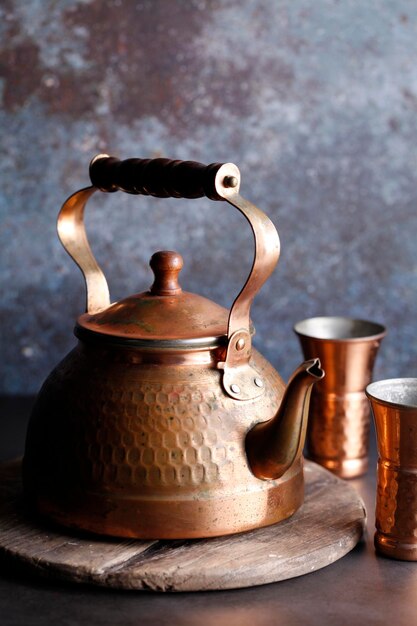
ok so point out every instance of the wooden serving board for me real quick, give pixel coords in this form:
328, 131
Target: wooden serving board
328, 526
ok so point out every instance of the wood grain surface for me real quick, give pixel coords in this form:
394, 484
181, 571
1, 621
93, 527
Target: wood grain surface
328, 526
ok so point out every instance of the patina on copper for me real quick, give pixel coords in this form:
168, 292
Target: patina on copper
338, 429
145, 428
394, 407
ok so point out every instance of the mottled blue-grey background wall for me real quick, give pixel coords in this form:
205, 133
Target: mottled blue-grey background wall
315, 101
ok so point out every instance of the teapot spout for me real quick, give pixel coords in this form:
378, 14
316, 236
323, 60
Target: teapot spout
274, 445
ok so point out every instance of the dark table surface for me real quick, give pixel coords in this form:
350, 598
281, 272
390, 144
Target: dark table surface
360, 588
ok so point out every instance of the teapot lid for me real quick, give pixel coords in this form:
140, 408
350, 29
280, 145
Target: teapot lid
164, 314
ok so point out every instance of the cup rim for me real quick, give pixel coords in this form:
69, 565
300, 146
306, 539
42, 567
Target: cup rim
379, 329
372, 389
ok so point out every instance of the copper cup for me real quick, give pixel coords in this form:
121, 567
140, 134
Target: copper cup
394, 406
338, 429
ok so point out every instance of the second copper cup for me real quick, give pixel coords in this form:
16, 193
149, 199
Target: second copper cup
394, 405
338, 431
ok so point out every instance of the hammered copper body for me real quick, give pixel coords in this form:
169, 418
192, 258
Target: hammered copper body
144, 429
338, 429
394, 406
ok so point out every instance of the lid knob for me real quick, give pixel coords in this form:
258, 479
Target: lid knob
166, 266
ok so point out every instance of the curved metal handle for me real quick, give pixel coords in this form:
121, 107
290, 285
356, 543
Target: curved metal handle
73, 236
239, 380
156, 177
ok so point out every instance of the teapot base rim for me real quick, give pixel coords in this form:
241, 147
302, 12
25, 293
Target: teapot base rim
198, 518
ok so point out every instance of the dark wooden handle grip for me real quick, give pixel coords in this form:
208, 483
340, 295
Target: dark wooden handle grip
162, 178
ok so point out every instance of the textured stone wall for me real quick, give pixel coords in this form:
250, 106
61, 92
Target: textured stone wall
315, 101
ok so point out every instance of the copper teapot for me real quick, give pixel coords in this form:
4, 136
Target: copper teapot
164, 422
